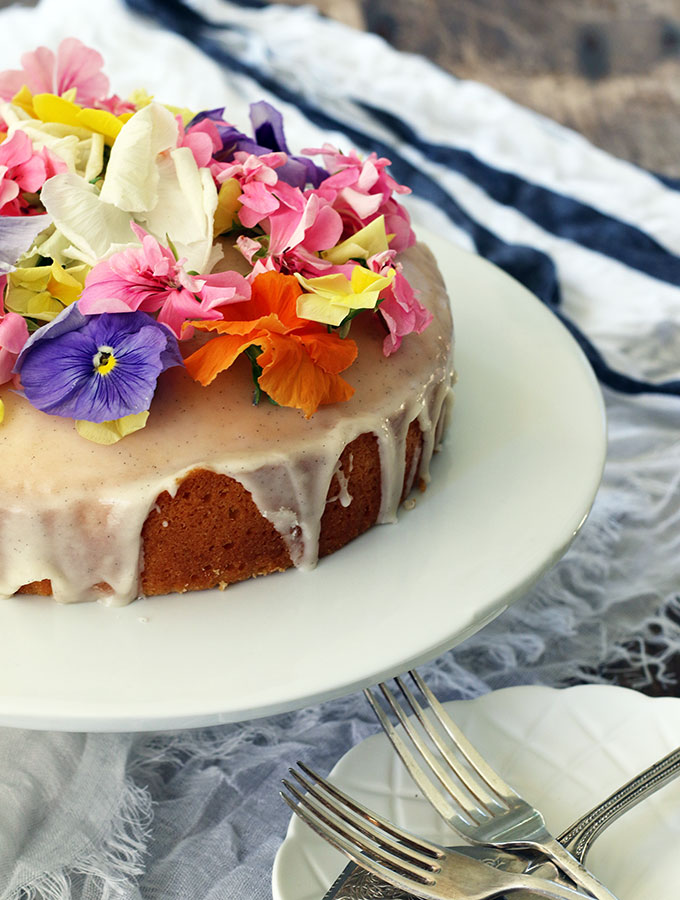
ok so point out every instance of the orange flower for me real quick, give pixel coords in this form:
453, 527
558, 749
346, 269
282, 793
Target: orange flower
300, 360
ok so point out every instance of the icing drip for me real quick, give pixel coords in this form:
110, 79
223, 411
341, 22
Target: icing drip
343, 496
73, 511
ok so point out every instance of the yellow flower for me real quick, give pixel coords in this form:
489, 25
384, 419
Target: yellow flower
41, 292
52, 108
331, 297
371, 239
24, 99
79, 147
142, 98
228, 204
113, 431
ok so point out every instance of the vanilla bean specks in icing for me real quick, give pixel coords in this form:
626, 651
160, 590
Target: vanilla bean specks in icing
73, 511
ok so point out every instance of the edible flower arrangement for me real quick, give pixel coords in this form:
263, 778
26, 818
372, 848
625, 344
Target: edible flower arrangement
114, 215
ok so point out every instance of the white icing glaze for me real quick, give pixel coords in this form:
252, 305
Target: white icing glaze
343, 497
72, 511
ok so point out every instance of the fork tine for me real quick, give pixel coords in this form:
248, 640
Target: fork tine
369, 822
476, 761
432, 794
470, 812
368, 856
477, 788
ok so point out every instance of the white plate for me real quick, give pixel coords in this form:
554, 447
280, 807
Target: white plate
516, 478
564, 751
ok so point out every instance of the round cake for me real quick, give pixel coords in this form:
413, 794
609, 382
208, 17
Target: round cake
214, 489
218, 359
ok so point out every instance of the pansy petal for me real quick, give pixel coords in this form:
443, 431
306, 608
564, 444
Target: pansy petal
291, 378
270, 322
111, 432
327, 286
367, 242
332, 353
267, 124
365, 280
216, 356
69, 319
97, 368
37, 72
318, 309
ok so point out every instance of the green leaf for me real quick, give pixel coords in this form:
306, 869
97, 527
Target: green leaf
252, 353
172, 246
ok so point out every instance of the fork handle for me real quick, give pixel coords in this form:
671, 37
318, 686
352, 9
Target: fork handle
579, 836
530, 884
575, 869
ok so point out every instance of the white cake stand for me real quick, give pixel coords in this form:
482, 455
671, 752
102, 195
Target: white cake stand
512, 486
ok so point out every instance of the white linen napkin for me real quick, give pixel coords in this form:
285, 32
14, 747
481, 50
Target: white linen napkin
195, 815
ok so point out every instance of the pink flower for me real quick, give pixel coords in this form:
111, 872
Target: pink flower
248, 248
398, 223
202, 139
115, 105
262, 265
301, 226
296, 260
400, 309
257, 177
13, 336
23, 169
74, 66
301, 220
149, 278
362, 190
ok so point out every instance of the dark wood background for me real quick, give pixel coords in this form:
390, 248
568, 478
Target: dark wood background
607, 68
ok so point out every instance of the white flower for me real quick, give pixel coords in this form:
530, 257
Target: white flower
149, 180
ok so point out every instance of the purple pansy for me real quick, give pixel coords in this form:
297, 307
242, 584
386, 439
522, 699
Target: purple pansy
98, 367
268, 130
297, 171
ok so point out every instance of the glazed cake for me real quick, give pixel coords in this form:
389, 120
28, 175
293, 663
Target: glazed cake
214, 489
217, 359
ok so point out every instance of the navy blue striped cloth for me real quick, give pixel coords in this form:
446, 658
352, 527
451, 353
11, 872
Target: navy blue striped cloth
565, 217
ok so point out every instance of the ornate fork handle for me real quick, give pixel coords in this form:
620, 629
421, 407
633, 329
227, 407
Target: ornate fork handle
355, 884
578, 838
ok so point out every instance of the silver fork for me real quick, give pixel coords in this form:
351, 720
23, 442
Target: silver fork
398, 857
475, 801
577, 838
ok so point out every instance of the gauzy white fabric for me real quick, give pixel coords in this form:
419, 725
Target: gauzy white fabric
195, 815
